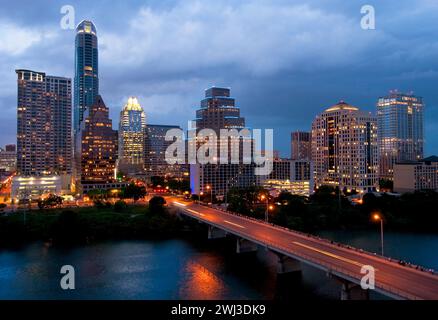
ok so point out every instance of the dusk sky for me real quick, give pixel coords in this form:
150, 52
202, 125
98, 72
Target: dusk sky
285, 61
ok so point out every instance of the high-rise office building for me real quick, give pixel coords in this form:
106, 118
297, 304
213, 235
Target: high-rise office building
300, 145
11, 147
155, 153
44, 142
96, 148
8, 159
219, 111
131, 138
345, 149
400, 119
86, 82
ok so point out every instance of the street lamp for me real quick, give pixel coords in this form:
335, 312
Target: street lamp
211, 194
378, 217
263, 197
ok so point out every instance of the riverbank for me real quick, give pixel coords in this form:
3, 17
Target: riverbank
82, 225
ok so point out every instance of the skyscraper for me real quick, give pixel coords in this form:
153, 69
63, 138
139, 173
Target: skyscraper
345, 149
300, 145
155, 153
131, 137
86, 83
44, 143
96, 148
8, 160
400, 119
218, 111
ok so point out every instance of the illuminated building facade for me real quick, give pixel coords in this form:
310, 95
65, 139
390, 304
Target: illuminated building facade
219, 111
301, 145
33, 188
345, 149
131, 138
294, 176
155, 153
400, 119
411, 176
86, 82
8, 159
44, 142
96, 147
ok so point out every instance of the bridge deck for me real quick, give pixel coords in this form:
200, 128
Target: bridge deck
392, 279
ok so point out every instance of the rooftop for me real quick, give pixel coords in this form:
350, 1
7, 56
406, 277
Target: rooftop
342, 105
133, 105
86, 26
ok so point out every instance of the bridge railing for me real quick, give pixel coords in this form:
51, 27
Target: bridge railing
331, 269
341, 271
331, 242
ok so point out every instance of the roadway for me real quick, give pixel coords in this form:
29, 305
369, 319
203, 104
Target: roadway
392, 279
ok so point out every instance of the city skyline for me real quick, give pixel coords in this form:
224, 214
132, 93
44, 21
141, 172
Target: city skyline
277, 89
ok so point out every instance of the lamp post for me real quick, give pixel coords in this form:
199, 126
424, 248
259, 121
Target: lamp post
263, 197
211, 194
378, 217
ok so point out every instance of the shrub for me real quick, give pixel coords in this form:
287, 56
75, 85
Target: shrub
120, 206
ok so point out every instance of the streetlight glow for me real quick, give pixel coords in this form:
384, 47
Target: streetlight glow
378, 217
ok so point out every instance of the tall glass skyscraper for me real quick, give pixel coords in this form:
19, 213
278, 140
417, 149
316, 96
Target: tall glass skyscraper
86, 82
219, 111
131, 137
400, 120
155, 153
96, 149
300, 145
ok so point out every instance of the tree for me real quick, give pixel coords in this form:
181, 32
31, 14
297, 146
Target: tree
245, 200
68, 228
156, 204
120, 206
157, 181
51, 201
97, 194
386, 185
181, 185
132, 191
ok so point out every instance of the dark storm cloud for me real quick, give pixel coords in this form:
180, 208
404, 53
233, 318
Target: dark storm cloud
285, 60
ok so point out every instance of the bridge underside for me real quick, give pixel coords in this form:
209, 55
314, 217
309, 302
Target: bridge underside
349, 289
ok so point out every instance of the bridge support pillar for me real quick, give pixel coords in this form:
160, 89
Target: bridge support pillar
216, 233
243, 246
287, 265
350, 290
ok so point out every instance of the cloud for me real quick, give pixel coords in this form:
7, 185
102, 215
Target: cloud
15, 39
259, 38
284, 60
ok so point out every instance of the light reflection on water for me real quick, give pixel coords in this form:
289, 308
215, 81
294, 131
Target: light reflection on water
178, 269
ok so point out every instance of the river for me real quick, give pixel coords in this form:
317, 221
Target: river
184, 268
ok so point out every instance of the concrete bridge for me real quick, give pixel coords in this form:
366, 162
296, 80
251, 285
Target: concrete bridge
340, 262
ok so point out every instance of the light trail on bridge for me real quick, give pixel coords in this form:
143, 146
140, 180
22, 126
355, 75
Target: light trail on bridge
392, 279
